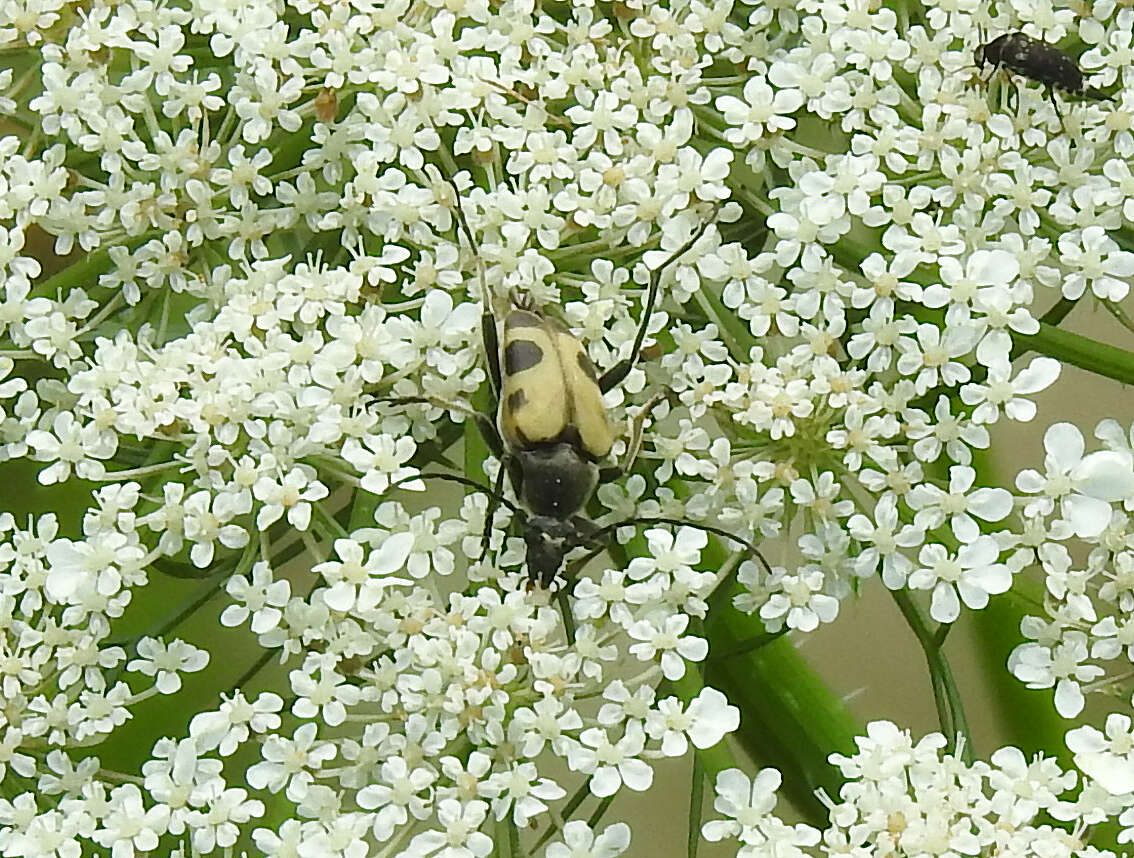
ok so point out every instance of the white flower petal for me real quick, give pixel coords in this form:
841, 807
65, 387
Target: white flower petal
991, 504
391, 555
1064, 443
945, 607
1106, 475
1068, 698
1113, 772
1039, 375
1088, 517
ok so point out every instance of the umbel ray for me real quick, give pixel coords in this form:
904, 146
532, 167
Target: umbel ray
551, 431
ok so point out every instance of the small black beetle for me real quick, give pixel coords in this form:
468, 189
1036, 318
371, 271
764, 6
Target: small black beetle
1038, 61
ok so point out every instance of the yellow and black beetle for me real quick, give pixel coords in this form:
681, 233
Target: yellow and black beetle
551, 428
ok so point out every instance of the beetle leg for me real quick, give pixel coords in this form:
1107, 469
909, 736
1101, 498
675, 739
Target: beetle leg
637, 429
620, 370
610, 473
487, 319
490, 513
491, 340
1055, 104
563, 599
483, 422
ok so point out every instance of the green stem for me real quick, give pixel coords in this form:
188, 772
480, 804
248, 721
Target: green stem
568, 810
506, 839
950, 707
1080, 351
1119, 314
696, 799
752, 643
1058, 312
600, 811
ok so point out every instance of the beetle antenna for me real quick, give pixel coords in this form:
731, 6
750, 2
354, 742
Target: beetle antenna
680, 522
464, 481
463, 226
655, 284
620, 370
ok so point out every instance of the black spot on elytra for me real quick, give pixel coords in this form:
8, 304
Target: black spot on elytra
588, 367
516, 400
520, 355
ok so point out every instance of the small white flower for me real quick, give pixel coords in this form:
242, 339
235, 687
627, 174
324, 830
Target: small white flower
1083, 485
167, 661
999, 390
358, 579
400, 791
321, 692
292, 494
227, 727
748, 806
525, 792
665, 636
262, 598
706, 720
98, 563
669, 552
797, 600
381, 460
71, 444
973, 574
982, 269
611, 765
1062, 665
959, 506
763, 111
129, 825
579, 841
460, 837
1095, 260
292, 760
1109, 757
883, 542
934, 357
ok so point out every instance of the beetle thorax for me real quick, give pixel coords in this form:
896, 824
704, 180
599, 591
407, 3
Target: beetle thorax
557, 480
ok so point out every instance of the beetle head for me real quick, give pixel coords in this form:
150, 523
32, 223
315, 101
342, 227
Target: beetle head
550, 539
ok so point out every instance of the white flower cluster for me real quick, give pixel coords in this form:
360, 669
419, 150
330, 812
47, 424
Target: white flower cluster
906, 798
1088, 607
251, 211
461, 699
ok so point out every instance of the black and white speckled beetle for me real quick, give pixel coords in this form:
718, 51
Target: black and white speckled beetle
1040, 62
